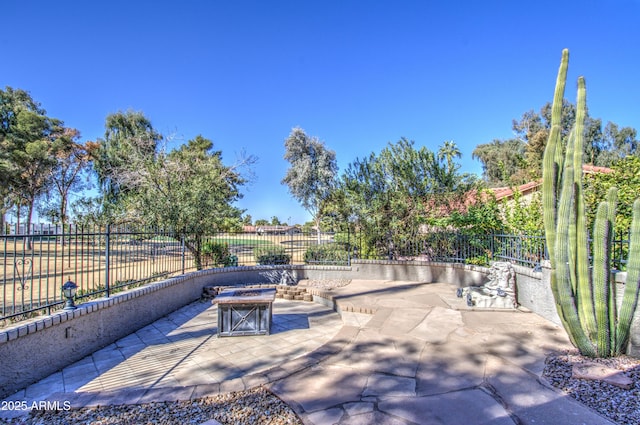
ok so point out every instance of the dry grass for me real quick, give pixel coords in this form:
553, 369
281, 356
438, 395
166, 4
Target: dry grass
35, 276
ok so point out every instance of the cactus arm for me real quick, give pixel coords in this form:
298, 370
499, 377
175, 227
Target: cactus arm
601, 272
550, 180
558, 95
552, 167
573, 227
612, 201
632, 284
565, 301
583, 286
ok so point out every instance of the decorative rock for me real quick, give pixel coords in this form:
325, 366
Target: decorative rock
209, 292
598, 372
620, 405
257, 405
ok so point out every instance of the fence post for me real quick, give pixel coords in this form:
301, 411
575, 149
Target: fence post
183, 253
107, 254
349, 247
492, 247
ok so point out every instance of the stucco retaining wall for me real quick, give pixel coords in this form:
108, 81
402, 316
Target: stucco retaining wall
533, 291
428, 272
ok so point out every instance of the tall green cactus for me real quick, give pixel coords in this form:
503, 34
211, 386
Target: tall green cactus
584, 292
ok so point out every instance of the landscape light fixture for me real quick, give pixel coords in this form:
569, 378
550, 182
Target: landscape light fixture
69, 291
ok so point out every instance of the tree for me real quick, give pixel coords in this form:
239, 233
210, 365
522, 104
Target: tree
617, 143
71, 161
29, 142
391, 194
129, 138
446, 170
275, 221
483, 216
87, 211
5, 189
188, 190
11, 101
533, 132
312, 174
523, 216
503, 162
519, 160
626, 178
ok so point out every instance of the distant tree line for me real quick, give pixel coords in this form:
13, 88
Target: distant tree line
188, 189
405, 191
40, 159
519, 160
402, 190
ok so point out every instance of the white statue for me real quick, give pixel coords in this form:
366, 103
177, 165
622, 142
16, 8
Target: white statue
498, 292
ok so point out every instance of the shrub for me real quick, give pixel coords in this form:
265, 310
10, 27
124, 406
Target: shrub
271, 256
327, 254
218, 253
482, 260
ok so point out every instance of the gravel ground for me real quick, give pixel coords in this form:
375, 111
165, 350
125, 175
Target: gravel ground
255, 406
620, 405
325, 283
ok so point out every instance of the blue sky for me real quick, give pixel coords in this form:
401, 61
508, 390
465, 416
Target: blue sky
356, 74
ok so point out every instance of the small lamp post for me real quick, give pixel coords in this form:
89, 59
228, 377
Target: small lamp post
69, 289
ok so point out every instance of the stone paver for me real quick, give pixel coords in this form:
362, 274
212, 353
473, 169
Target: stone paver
472, 406
400, 353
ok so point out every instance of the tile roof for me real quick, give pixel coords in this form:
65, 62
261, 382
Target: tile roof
534, 186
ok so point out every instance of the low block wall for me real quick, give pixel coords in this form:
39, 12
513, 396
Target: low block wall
429, 272
33, 350
533, 291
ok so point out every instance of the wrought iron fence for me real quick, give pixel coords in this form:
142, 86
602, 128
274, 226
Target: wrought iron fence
448, 247
455, 247
99, 261
285, 246
104, 260
525, 250
620, 250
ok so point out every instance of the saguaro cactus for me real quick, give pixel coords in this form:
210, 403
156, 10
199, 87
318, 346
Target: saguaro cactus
584, 291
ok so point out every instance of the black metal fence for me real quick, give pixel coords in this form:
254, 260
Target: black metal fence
105, 260
99, 261
454, 247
